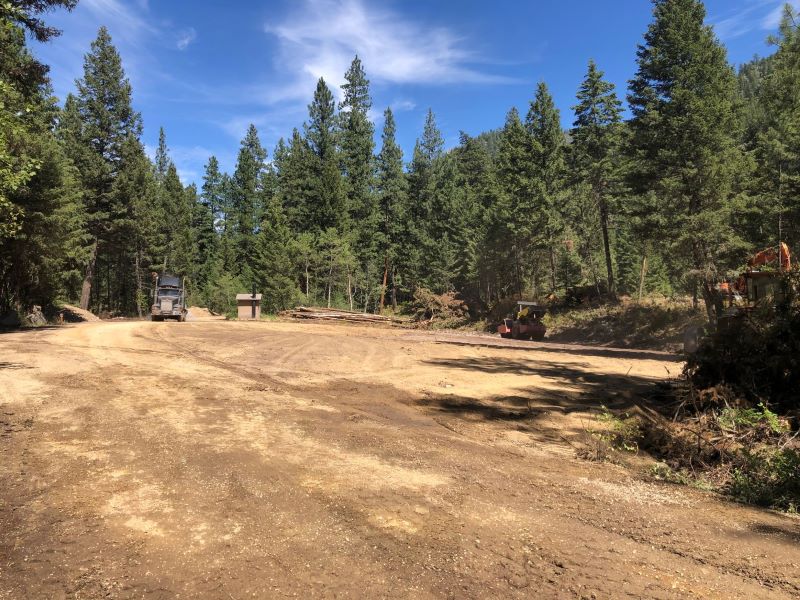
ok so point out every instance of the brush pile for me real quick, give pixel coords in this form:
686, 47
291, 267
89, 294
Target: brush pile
334, 314
438, 310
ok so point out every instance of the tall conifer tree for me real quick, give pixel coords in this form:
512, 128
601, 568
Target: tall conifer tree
596, 141
246, 210
327, 200
547, 149
108, 122
685, 128
392, 191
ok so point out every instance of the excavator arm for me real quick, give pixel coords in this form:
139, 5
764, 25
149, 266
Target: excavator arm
780, 255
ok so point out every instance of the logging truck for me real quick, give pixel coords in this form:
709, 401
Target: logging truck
169, 298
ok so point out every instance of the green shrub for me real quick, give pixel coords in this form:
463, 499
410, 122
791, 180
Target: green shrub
625, 432
618, 434
733, 419
768, 477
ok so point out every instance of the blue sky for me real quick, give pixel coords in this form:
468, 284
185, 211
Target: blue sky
204, 70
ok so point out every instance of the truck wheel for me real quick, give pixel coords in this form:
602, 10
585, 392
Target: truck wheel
515, 331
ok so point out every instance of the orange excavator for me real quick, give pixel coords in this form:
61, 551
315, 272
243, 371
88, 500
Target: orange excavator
771, 255
762, 277
762, 282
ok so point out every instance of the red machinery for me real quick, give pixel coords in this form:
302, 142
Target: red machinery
525, 324
762, 277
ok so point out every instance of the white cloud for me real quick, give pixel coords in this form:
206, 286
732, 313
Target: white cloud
127, 24
773, 19
403, 105
757, 14
320, 38
186, 37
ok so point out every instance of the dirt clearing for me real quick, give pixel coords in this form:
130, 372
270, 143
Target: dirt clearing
238, 460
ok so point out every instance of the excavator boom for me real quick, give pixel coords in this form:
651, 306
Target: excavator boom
780, 255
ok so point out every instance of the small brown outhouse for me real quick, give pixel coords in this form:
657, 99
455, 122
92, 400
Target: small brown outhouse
248, 306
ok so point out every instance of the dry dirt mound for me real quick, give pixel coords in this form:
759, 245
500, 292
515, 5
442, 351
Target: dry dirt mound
73, 314
200, 313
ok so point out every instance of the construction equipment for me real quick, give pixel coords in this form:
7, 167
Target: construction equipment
761, 284
762, 279
169, 298
525, 323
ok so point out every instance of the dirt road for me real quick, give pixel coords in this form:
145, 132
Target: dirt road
241, 460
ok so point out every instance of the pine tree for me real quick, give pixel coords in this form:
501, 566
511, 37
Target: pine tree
684, 138
162, 161
136, 186
357, 146
432, 143
778, 144
42, 221
513, 215
478, 277
207, 214
596, 140
25, 14
547, 154
174, 220
294, 164
327, 202
246, 210
392, 189
107, 122
423, 221
275, 272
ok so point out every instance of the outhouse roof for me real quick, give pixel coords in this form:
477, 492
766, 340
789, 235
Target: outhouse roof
247, 297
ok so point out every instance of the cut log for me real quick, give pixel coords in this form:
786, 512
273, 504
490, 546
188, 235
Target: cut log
334, 314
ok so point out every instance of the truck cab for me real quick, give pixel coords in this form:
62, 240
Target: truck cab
169, 299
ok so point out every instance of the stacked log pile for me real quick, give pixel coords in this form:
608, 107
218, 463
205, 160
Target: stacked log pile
334, 314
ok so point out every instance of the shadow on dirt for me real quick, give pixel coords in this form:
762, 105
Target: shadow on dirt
571, 349
586, 391
582, 379
790, 535
11, 365
28, 329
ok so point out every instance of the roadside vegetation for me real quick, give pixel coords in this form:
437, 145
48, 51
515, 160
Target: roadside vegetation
731, 422
655, 323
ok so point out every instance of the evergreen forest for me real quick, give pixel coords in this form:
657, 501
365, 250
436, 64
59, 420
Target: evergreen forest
666, 187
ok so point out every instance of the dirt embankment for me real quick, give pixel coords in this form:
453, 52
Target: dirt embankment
658, 325
234, 460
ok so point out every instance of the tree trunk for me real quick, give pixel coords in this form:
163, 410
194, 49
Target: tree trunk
552, 268
607, 248
713, 301
394, 290
306, 281
385, 280
350, 290
139, 293
330, 284
86, 289
642, 275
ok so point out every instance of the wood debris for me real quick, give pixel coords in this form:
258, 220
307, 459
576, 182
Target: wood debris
335, 314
